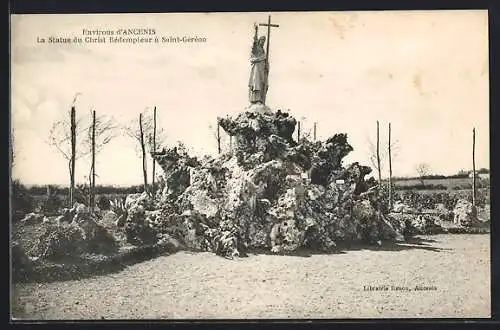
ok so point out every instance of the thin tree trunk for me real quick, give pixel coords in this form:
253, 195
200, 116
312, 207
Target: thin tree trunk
92, 187
298, 132
73, 156
390, 170
69, 189
11, 142
378, 156
230, 143
474, 166
89, 201
144, 165
314, 132
218, 138
154, 149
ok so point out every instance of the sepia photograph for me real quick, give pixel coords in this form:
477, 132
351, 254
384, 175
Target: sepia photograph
250, 165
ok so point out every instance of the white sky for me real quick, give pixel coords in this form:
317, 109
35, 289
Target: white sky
425, 72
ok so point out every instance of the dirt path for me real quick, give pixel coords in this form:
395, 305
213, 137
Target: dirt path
203, 285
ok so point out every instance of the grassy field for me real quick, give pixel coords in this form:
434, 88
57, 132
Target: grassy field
203, 285
450, 183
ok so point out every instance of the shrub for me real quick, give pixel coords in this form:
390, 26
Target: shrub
417, 199
103, 203
84, 235
384, 198
480, 183
59, 241
22, 266
53, 203
139, 233
21, 199
82, 194
97, 238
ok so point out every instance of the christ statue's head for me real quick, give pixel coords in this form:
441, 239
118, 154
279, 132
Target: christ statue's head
262, 40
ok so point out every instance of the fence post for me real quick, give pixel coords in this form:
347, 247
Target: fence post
474, 166
390, 170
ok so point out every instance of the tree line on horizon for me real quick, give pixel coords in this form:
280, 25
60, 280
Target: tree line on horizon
41, 189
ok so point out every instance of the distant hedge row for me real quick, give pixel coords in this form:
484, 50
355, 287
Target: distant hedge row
419, 186
42, 190
418, 199
433, 176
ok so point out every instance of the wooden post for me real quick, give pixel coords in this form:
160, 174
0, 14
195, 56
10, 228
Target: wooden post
89, 200
298, 132
92, 187
474, 166
154, 148
390, 170
314, 132
144, 172
218, 138
378, 157
11, 145
73, 156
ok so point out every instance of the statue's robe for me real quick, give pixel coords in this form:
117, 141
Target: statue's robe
257, 83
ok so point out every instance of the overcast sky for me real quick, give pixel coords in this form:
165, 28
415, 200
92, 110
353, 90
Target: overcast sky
425, 72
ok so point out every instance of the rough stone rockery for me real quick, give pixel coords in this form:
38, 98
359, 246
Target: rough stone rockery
270, 192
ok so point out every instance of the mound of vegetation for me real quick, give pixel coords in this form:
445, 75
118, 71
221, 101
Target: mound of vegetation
82, 234
423, 200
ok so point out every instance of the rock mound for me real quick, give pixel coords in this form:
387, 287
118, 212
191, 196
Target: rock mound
269, 192
465, 214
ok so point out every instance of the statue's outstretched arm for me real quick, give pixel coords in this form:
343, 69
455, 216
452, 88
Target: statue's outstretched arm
255, 40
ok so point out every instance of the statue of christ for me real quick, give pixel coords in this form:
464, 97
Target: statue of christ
258, 82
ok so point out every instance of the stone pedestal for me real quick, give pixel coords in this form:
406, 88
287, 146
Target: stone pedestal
253, 127
259, 107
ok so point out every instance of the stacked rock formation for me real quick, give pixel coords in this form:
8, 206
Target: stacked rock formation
270, 191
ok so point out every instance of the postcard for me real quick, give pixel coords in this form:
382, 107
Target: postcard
281, 165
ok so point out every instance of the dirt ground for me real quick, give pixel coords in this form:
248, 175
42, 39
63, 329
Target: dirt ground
203, 285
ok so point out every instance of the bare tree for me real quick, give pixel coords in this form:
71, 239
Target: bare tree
143, 148
304, 132
136, 131
474, 167
11, 147
390, 169
154, 147
378, 156
218, 138
383, 155
423, 170
146, 133
73, 153
63, 136
155, 137
100, 132
224, 141
298, 132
